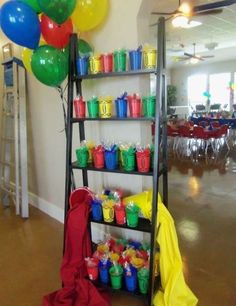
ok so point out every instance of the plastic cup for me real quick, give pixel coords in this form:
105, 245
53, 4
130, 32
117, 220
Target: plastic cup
131, 279
150, 59
132, 212
98, 158
95, 64
107, 62
82, 157
129, 159
96, 210
120, 60
82, 65
134, 106
121, 108
116, 276
104, 271
143, 161
135, 59
111, 160
93, 108
108, 212
143, 280
120, 214
149, 106
79, 106
105, 107
92, 269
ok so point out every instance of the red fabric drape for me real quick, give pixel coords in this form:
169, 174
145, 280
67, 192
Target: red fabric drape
77, 289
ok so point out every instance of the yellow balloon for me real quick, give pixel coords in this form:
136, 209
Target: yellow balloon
88, 14
42, 42
26, 58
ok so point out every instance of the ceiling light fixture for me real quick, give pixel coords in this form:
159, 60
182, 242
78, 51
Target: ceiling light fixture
180, 21
194, 60
185, 8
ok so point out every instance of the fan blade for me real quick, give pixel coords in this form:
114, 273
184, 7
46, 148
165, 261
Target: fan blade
188, 54
194, 56
208, 12
208, 56
211, 6
164, 13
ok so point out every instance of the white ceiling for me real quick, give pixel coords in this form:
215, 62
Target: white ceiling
220, 28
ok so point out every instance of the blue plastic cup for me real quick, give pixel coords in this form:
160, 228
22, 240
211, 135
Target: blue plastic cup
82, 65
96, 210
111, 159
131, 279
135, 59
121, 108
104, 271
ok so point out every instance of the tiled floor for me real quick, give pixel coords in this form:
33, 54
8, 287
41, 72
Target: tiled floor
202, 200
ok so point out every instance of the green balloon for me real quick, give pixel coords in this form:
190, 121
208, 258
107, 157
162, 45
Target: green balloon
49, 65
58, 10
34, 4
84, 47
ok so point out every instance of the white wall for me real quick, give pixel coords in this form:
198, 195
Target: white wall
45, 118
179, 76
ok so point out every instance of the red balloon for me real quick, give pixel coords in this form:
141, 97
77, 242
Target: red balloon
56, 35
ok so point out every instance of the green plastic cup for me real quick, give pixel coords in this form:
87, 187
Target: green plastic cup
120, 60
93, 108
132, 212
82, 157
116, 273
129, 159
143, 280
149, 106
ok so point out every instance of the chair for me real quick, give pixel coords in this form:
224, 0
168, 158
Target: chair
222, 138
172, 137
203, 139
184, 140
215, 124
203, 123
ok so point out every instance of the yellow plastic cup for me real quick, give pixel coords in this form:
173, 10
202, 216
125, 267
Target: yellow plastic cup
95, 64
137, 262
150, 58
108, 211
103, 248
114, 257
105, 107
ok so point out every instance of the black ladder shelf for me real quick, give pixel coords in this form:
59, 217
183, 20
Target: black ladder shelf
160, 142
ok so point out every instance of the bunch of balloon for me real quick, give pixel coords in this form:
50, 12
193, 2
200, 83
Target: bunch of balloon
44, 27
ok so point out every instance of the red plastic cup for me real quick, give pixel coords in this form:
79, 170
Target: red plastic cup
143, 161
80, 107
120, 214
98, 157
107, 62
92, 269
118, 248
134, 106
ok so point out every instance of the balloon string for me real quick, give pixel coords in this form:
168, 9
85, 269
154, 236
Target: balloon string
63, 101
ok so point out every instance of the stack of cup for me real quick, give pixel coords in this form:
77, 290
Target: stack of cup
120, 60
93, 107
135, 59
107, 62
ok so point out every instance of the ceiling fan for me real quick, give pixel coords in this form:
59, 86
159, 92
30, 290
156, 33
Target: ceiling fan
193, 58
186, 11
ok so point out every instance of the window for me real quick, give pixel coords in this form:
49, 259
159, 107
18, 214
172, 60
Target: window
219, 89
197, 86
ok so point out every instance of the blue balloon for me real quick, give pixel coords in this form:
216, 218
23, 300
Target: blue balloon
20, 24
